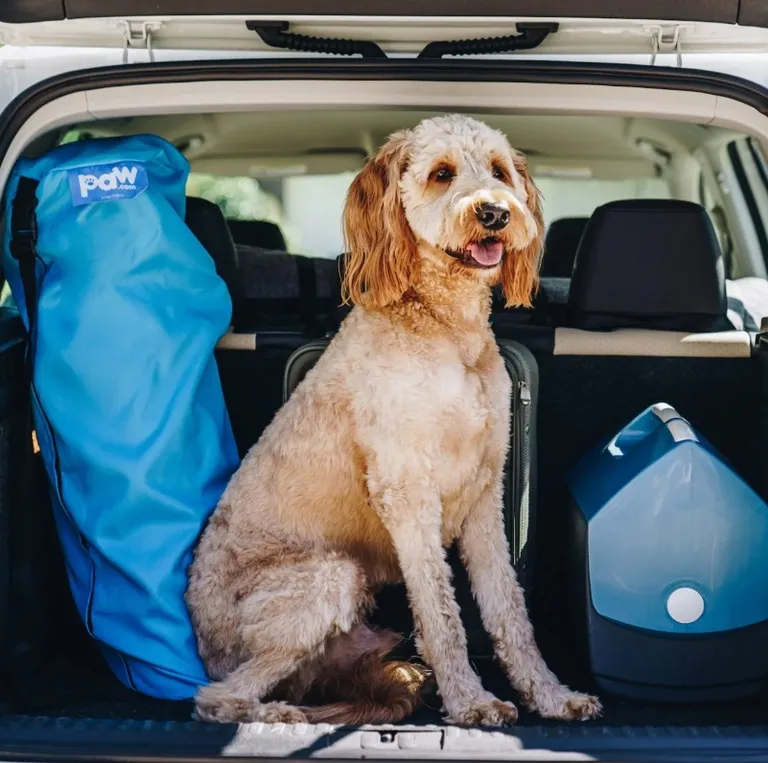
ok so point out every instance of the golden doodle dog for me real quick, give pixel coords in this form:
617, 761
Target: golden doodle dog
391, 449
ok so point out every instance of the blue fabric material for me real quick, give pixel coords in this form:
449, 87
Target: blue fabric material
127, 401
665, 511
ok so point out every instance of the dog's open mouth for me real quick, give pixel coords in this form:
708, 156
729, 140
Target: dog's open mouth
486, 253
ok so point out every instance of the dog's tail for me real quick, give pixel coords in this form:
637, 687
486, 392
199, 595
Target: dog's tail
376, 692
369, 687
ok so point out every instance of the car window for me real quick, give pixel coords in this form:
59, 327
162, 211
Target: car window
307, 208
579, 196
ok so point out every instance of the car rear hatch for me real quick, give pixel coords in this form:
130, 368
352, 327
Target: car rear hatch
553, 28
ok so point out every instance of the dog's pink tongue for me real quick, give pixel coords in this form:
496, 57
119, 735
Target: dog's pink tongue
486, 254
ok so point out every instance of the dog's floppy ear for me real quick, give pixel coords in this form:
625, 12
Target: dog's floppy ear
520, 269
381, 251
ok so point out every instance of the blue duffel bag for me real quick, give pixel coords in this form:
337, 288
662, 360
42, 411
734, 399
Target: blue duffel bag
124, 309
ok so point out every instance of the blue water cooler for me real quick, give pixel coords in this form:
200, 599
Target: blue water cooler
669, 568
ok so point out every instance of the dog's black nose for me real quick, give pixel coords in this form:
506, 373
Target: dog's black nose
492, 216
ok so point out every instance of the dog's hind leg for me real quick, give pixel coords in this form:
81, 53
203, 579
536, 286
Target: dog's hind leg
355, 681
287, 616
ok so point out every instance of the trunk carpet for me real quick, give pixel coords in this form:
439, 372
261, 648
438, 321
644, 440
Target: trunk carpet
87, 689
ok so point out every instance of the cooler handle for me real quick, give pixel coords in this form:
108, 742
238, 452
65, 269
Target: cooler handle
648, 422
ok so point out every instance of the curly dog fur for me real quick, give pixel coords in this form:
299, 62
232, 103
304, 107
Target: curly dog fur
391, 449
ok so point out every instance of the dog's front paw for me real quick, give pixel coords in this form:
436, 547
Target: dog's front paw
566, 705
486, 712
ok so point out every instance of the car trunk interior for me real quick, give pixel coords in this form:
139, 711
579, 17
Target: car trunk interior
54, 670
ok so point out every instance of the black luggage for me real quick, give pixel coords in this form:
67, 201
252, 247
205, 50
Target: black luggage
519, 478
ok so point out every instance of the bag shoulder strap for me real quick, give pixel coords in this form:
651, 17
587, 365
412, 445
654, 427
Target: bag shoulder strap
22, 246
29, 620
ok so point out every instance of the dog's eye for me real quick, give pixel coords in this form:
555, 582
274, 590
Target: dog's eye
498, 172
443, 175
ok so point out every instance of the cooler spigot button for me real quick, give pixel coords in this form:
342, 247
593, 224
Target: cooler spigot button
685, 605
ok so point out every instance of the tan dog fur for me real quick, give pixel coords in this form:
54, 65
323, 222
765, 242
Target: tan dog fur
391, 449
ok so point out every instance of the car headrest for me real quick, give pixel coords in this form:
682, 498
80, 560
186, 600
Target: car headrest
260, 233
206, 220
560, 245
651, 264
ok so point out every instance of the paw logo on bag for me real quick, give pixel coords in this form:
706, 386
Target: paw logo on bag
107, 182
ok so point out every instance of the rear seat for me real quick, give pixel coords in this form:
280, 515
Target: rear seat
646, 322
288, 292
650, 266
280, 302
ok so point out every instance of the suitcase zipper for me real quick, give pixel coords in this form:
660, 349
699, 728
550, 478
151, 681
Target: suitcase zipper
525, 393
518, 472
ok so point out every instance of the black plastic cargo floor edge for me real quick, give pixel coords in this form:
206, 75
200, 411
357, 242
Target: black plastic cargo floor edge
40, 739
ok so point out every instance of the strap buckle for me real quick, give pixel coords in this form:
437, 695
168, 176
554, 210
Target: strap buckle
23, 241
23, 219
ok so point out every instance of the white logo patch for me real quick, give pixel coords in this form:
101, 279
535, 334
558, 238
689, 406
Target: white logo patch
105, 182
